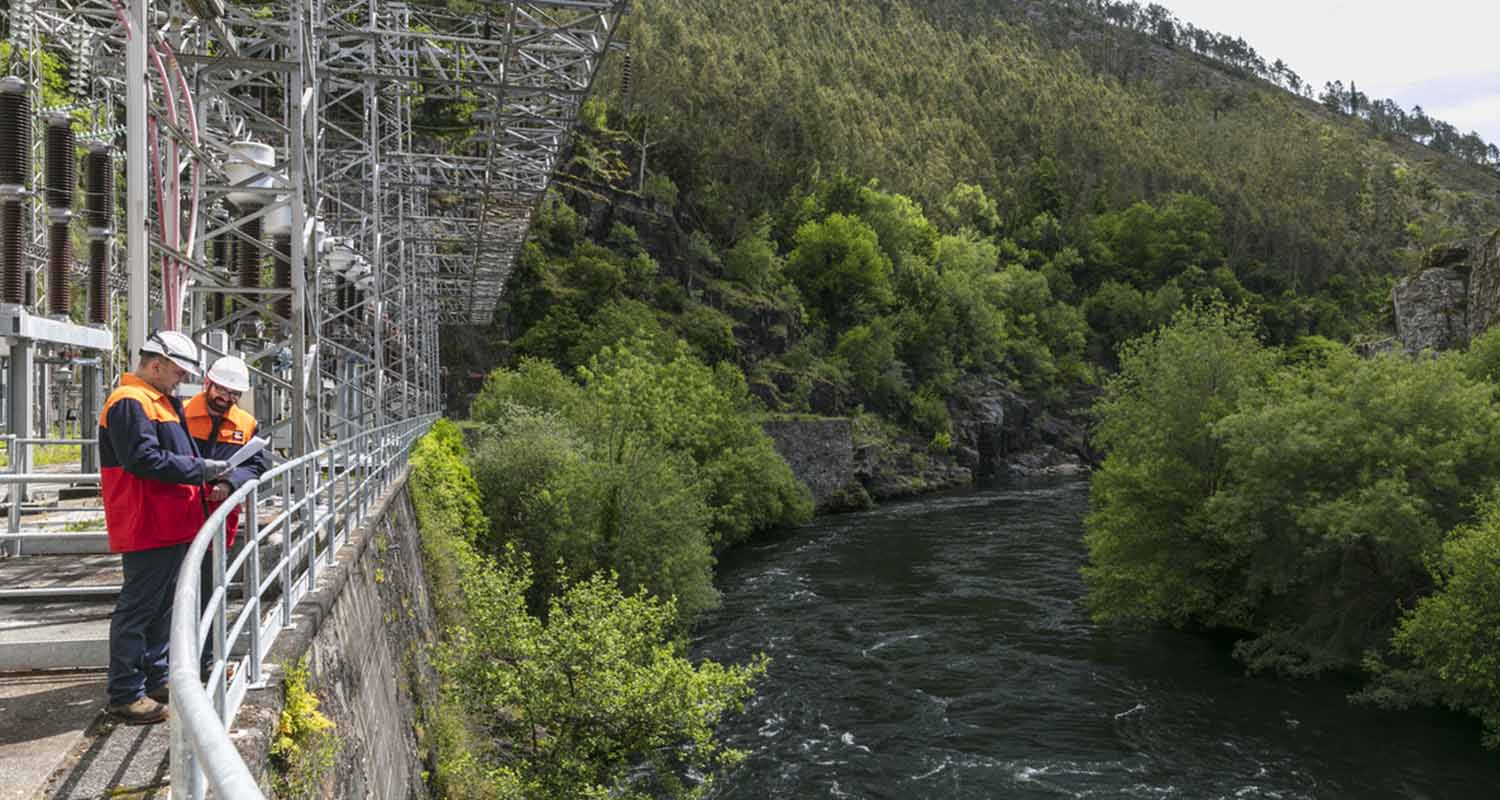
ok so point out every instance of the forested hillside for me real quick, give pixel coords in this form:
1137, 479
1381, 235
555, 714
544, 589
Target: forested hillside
1051, 143
748, 101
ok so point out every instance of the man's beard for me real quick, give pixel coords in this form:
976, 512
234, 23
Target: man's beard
218, 407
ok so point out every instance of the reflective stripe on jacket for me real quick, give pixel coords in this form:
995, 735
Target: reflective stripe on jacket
150, 473
235, 429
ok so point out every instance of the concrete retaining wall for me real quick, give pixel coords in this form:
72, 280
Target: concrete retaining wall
366, 634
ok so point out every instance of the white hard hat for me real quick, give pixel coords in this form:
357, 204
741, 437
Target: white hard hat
175, 346
231, 373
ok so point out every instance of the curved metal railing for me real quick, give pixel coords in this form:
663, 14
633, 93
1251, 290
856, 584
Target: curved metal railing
298, 513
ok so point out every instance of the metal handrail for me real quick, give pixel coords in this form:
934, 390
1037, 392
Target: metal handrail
318, 500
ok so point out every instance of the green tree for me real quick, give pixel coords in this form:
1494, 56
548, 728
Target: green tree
1341, 478
1154, 556
1449, 642
838, 266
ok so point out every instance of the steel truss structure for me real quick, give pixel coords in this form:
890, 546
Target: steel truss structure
317, 185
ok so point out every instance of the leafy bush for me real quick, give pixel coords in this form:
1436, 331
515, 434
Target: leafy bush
706, 414
599, 700
1450, 640
534, 383
839, 268
1340, 480
596, 701
1154, 554
305, 746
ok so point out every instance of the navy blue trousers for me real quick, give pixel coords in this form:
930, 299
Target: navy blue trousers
140, 628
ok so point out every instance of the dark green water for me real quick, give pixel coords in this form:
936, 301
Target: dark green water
938, 649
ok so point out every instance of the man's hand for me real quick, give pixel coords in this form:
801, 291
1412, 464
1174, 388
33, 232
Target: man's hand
218, 493
213, 468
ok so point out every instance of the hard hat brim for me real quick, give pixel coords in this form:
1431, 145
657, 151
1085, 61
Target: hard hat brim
228, 385
189, 366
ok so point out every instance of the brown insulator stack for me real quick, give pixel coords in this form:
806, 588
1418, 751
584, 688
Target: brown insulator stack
282, 244
98, 281
99, 193
222, 250
62, 159
99, 216
12, 264
59, 266
15, 133
627, 75
61, 162
15, 176
247, 257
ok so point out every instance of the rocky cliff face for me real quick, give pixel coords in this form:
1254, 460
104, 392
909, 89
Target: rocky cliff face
1484, 287
997, 432
1431, 311
1455, 297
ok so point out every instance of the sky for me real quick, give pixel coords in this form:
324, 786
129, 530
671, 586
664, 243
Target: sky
1443, 55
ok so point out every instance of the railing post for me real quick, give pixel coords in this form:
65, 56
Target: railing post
13, 493
288, 549
307, 523
252, 584
221, 649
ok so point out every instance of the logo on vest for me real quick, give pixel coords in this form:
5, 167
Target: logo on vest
237, 436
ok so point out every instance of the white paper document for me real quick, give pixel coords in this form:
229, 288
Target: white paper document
248, 451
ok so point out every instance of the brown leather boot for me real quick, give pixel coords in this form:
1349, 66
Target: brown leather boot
140, 711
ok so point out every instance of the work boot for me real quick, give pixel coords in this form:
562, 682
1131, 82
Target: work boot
160, 694
140, 711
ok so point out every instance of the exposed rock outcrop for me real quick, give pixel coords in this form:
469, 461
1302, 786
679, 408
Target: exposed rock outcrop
1484, 287
821, 455
1431, 311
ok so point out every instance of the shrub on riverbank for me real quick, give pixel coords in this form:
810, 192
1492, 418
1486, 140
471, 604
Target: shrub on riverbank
644, 468
1305, 501
597, 700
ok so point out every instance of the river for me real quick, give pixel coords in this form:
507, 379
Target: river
939, 649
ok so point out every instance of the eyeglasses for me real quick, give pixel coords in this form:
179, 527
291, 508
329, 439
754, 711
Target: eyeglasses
226, 393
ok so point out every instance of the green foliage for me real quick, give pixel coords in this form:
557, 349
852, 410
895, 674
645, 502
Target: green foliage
597, 700
305, 746
437, 458
708, 415
534, 383
753, 260
1481, 362
1049, 109
839, 267
643, 470
1341, 478
1295, 500
1154, 557
868, 353
1450, 640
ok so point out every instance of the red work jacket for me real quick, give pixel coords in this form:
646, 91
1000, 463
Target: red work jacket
150, 472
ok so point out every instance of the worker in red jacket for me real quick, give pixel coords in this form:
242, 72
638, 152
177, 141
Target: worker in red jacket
219, 428
151, 476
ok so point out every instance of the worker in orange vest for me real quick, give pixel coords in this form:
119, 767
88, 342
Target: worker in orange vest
151, 477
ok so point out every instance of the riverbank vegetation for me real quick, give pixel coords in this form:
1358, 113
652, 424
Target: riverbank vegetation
592, 698
881, 210
1333, 508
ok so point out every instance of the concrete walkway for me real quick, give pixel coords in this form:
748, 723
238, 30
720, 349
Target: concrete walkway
57, 744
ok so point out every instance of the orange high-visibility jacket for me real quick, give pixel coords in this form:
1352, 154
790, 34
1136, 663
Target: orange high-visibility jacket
233, 431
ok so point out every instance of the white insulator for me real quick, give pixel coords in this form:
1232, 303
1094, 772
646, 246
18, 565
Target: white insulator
249, 165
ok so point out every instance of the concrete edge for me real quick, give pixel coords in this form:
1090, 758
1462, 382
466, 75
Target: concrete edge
259, 716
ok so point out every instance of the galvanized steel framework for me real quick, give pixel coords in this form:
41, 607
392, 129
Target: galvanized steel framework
412, 144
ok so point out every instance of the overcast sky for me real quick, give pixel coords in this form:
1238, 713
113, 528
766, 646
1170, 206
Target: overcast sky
1443, 55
